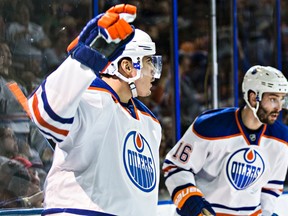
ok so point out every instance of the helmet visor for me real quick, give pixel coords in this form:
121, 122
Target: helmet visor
157, 64
285, 102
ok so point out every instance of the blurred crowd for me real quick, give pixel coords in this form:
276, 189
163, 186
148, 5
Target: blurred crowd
33, 41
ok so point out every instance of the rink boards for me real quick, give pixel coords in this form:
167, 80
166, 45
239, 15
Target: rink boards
165, 208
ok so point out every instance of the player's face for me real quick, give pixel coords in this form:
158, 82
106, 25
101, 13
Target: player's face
270, 107
144, 83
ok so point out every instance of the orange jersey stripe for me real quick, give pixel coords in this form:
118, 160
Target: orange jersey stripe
274, 138
42, 122
168, 168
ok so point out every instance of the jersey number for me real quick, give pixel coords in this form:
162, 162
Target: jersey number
183, 152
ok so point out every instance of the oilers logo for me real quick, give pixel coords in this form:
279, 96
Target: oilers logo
139, 162
244, 167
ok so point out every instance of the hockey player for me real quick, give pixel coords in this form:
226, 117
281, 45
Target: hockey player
233, 160
106, 159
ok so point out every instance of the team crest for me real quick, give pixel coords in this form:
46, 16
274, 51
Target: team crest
244, 168
139, 162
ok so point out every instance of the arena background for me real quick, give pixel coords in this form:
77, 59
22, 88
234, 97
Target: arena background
206, 46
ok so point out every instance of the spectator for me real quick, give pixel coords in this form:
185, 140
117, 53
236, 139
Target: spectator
27, 39
11, 113
8, 144
32, 154
14, 181
190, 106
5, 60
285, 47
2, 27
47, 158
34, 194
56, 54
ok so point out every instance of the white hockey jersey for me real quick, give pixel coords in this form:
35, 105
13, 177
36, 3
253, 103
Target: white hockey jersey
239, 171
106, 157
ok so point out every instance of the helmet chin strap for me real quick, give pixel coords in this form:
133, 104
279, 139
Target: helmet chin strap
130, 81
133, 89
254, 110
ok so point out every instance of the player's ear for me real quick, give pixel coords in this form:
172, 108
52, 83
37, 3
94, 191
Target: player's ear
126, 67
252, 98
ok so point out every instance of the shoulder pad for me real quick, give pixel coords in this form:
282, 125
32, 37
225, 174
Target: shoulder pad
216, 123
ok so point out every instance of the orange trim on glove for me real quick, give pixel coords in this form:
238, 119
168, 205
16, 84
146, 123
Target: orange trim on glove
73, 44
182, 195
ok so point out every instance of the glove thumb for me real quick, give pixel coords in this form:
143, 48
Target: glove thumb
129, 18
73, 44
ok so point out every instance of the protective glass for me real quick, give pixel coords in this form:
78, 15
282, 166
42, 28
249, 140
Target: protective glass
157, 64
285, 103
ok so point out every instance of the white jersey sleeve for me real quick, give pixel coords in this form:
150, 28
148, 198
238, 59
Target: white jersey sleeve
186, 155
54, 104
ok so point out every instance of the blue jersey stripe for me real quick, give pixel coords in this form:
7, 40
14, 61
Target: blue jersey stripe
276, 182
270, 192
74, 211
246, 208
49, 110
49, 134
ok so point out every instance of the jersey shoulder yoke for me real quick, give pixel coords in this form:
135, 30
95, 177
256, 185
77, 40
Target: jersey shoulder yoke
217, 123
